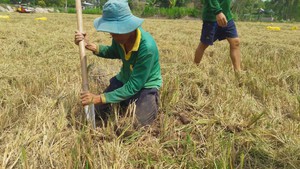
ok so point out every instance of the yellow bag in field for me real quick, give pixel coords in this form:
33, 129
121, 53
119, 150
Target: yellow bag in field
273, 28
4, 17
41, 19
294, 28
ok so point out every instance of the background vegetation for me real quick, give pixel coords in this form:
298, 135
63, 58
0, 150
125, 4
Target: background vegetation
280, 10
209, 118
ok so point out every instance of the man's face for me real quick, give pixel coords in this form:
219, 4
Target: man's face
120, 38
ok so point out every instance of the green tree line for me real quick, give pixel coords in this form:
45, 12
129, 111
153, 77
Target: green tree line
281, 9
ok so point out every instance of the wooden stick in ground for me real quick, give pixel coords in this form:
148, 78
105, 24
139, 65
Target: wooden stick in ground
89, 109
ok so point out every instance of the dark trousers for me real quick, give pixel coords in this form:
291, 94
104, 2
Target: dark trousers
146, 101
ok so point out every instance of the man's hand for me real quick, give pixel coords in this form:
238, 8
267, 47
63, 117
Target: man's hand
221, 19
89, 98
79, 36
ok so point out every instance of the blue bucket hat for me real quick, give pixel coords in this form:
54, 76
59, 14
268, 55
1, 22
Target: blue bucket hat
117, 18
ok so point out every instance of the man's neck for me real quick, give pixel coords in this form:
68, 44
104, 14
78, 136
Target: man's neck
130, 43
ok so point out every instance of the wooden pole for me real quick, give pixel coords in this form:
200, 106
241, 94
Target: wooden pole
89, 109
83, 61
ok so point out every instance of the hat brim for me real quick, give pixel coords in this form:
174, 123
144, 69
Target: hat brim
118, 27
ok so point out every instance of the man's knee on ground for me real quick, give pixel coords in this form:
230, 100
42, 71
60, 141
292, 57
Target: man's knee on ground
147, 109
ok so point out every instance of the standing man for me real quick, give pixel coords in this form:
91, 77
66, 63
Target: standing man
218, 24
140, 76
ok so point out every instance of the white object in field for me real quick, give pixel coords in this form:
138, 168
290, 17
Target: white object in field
90, 114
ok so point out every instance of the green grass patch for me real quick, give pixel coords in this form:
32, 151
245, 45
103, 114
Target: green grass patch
171, 13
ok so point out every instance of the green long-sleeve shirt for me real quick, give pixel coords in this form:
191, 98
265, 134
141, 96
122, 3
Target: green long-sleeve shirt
141, 68
213, 7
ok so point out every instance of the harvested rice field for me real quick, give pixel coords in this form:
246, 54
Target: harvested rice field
208, 117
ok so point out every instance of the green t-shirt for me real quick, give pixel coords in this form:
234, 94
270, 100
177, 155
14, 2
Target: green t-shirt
140, 69
213, 7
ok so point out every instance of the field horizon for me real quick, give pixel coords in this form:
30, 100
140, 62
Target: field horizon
209, 117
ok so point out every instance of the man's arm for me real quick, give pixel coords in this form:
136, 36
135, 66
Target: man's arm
100, 50
136, 82
215, 7
110, 52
